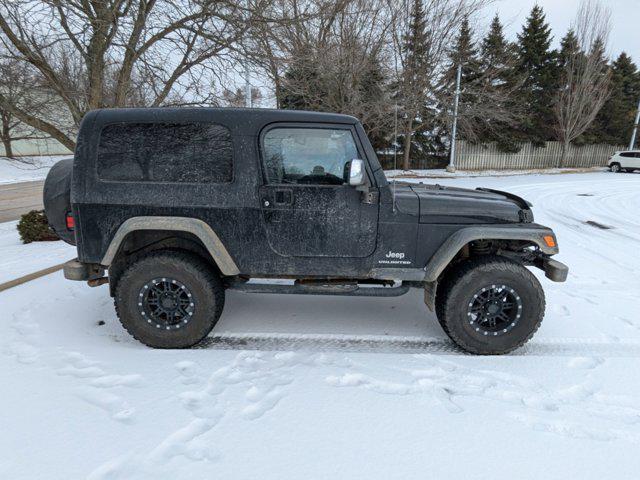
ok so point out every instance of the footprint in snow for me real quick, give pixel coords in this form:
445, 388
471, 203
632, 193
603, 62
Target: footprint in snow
561, 310
262, 401
110, 381
189, 441
564, 428
188, 372
98, 383
115, 406
262, 381
25, 347
539, 407
585, 363
628, 322
23, 352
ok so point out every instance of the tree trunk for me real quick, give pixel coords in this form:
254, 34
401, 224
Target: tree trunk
8, 151
6, 134
407, 146
563, 155
278, 91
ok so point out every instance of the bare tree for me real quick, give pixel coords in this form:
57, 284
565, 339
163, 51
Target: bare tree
485, 109
18, 85
330, 56
585, 81
236, 98
119, 53
271, 48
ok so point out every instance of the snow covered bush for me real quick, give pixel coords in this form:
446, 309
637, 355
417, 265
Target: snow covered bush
33, 227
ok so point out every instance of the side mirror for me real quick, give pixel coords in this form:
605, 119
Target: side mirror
356, 173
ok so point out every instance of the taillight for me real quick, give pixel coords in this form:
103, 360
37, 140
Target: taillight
71, 222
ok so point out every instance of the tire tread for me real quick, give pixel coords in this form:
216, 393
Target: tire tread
457, 273
178, 259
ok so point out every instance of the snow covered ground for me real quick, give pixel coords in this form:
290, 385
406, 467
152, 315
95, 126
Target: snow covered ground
26, 169
18, 259
336, 387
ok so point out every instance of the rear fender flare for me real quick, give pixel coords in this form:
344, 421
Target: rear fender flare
197, 227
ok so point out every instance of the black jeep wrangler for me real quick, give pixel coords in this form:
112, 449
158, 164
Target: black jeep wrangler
179, 205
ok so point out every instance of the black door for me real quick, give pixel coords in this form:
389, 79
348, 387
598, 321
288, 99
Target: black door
308, 207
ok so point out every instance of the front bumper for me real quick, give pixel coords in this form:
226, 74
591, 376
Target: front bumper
554, 270
79, 271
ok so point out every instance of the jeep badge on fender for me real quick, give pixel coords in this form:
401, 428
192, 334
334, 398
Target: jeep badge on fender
172, 207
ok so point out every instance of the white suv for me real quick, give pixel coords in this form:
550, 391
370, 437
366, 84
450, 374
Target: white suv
625, 161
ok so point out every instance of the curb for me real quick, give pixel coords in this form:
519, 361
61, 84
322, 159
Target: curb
29, 277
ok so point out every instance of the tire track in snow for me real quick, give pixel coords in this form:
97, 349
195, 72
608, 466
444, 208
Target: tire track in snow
556, 347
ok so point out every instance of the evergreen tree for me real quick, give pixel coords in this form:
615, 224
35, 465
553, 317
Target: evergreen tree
614, 122
415, 44
411, 91
497, 60
569, 47
537, 62
464, 53
302, 77
496, 52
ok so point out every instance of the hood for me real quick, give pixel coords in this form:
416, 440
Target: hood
438, 204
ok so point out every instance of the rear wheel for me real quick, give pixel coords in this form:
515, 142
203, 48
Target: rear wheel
169, 299
490, 305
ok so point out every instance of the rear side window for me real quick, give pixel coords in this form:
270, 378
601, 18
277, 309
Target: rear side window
166, 152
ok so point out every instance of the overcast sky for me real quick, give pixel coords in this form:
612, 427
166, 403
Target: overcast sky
625, 19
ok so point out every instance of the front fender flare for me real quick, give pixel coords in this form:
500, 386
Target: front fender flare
197, 227
448, 250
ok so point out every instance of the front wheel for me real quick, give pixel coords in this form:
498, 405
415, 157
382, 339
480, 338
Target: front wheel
490, 305
169, 299
615, 167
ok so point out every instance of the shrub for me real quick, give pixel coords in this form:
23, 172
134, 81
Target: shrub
33, 227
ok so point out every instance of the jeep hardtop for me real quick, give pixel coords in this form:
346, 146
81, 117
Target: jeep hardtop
171, 207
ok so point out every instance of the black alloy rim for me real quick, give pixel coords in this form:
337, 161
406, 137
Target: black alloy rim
494, 310
166, 303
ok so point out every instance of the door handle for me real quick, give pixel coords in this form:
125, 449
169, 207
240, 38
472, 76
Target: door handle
283, 197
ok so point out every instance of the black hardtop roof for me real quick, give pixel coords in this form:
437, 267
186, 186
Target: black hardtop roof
248, 120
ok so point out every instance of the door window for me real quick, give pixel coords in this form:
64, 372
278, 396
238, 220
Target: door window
312, 156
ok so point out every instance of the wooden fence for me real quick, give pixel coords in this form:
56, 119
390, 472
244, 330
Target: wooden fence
487, 157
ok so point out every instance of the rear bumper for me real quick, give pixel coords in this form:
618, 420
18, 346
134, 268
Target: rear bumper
76, 270
554, 270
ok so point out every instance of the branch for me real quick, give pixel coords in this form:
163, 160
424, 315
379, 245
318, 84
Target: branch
38, 123
39, 62
124, 75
